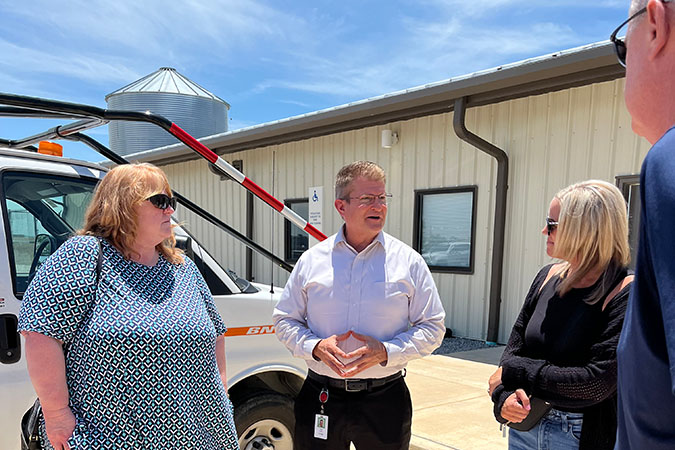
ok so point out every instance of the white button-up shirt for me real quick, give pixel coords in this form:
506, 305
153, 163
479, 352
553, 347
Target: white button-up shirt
386, 291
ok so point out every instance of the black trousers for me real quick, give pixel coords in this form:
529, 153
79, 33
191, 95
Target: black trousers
378, 419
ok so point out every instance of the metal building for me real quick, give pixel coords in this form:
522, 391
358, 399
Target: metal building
172, 95
556, 119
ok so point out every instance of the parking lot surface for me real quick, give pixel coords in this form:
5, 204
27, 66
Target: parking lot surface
451, 406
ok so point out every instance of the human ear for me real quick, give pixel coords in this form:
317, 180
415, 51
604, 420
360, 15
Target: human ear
659, 28
340, 206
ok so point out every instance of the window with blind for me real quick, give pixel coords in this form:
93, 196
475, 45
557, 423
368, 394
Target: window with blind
444, 228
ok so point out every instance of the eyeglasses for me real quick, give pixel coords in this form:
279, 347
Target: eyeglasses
162, 201
551, 225
620, 44
367, 200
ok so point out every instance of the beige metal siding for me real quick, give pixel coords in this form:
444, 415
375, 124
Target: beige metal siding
572, 135
552, 140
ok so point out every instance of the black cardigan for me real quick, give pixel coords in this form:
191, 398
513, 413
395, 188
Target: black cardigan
589, 388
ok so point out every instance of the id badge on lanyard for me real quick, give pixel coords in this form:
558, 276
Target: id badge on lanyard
321, 420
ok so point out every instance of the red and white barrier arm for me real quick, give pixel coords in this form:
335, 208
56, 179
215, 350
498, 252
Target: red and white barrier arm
242, 179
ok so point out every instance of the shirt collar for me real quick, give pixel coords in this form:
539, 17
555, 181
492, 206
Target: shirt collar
340, 238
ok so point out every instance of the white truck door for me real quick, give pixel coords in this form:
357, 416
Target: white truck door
38, 212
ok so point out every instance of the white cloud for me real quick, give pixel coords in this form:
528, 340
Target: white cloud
72, 64
157, 26
321, 50
295, 102
488, 7
472, 8
430, 51
239, 124
117, 42
15, 84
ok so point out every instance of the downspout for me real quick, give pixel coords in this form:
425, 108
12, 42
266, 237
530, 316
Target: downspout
500, 212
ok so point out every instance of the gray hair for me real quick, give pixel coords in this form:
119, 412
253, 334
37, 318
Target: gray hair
636, 5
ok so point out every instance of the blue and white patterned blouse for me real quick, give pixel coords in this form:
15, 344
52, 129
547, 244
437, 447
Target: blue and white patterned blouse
140, 349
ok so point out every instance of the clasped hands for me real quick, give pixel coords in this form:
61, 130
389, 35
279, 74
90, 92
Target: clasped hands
371, 353
516, 407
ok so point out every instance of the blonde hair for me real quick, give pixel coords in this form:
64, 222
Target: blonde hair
592, 232
111, 213
351, 172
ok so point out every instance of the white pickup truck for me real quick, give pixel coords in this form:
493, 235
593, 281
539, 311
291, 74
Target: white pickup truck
42, 202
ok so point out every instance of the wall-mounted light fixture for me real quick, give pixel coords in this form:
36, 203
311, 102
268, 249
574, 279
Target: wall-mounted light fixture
389, 138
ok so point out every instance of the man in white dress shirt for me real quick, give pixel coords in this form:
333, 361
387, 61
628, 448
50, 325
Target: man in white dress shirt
357, 307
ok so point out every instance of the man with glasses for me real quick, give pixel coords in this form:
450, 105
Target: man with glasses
357, 307
646, 352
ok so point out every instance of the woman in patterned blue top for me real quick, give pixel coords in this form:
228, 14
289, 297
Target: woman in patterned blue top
131, 356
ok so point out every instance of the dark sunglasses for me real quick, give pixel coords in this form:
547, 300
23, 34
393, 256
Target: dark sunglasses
620, 44
162, 201
551, 225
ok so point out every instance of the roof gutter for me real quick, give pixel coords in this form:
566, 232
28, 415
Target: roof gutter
499, 231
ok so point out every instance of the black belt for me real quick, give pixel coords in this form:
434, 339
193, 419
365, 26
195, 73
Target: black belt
353, 384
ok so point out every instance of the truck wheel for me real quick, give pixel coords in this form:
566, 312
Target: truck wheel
265, 422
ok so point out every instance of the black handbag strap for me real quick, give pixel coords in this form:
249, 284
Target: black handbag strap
99, 260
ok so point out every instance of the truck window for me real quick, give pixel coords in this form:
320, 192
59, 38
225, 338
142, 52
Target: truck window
24, 229
41, 212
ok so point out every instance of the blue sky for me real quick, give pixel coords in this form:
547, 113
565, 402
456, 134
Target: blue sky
272, 60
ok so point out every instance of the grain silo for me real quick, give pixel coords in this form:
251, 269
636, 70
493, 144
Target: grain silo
170, 94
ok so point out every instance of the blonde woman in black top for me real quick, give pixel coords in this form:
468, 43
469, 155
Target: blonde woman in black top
562, 348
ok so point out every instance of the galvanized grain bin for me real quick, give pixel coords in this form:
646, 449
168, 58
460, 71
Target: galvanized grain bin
170, 94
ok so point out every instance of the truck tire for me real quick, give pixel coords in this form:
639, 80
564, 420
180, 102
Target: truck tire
265, 422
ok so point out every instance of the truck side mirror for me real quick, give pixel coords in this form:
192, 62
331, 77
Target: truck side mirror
43, 245
185, 243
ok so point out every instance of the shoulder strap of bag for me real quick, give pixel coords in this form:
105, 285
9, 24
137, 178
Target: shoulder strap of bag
99, 260
619, 287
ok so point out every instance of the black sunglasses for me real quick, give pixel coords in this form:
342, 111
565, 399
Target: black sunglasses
620, 44
551, 225
162, 201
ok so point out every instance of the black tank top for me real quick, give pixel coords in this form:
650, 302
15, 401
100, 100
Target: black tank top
561, 330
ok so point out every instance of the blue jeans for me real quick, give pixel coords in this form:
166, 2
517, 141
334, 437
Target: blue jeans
557, 430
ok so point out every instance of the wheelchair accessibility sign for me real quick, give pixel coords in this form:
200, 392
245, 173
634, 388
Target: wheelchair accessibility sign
315, 212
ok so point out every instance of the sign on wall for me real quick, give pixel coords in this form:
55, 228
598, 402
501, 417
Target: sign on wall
315, 217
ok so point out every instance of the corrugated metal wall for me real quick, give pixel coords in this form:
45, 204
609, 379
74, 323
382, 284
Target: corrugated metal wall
552, 140
197, 115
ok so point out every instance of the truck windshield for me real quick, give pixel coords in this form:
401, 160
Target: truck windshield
40, 212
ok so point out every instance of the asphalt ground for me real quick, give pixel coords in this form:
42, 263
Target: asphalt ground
454, 345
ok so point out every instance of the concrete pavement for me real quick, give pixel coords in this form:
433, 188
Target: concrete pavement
451, 407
